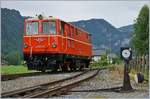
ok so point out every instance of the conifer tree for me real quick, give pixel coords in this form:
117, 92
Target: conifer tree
140, 39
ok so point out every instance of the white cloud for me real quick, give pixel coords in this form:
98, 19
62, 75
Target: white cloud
118, 13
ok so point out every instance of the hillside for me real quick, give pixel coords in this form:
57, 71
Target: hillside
128, 29
104, 35
11, 32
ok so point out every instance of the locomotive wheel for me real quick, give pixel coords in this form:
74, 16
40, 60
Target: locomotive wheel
43, 71
82, 66
54, 69
73, 68
60, 67
64, 68
87, 65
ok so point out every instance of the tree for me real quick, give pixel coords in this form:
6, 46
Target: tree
13, 58
140, 39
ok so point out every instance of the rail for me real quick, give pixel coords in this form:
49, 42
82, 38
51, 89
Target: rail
5, 77
52, 88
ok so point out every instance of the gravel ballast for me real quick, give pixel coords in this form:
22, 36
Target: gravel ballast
105, 79
108, 79
24, 82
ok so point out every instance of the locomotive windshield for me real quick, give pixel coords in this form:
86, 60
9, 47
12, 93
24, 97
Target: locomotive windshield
49, 27
32, 28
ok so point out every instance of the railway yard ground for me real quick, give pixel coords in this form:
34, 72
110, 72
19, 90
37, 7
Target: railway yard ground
106, 78
29, 81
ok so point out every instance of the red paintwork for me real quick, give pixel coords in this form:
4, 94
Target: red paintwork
42, 43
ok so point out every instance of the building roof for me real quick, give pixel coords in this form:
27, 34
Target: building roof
112, 55
98, 52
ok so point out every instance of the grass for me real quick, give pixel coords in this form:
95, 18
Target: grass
17, 69
94, 66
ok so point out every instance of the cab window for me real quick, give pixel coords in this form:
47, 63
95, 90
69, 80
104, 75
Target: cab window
32, 28
49, 28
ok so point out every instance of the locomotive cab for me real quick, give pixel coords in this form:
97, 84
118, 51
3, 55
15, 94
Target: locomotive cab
40, 40
33, 31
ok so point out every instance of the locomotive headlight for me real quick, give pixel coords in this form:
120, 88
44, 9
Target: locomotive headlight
54, 45
25, 45
40, 17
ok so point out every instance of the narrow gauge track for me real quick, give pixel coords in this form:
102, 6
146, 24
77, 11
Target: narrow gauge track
52, 88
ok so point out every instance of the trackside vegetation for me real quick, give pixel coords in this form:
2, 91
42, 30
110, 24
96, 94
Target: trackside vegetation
104, 62
14, 69
140, 43
140, 37
12, 58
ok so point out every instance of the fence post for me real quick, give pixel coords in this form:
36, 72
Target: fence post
144, 64
136, 62
147, 64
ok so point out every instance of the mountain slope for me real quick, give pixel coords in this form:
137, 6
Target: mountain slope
104, 35
128, 28
11, 31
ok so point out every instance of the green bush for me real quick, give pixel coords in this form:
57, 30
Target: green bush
116, 60
101, 62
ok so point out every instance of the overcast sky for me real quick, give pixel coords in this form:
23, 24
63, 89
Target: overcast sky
118, 13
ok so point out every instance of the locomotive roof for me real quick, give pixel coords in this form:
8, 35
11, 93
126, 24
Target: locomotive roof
43, 17
76, 27
52, 18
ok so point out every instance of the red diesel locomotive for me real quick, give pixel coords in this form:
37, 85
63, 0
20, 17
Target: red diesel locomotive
50, 43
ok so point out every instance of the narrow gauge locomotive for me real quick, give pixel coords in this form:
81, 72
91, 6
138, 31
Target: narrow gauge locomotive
50, 43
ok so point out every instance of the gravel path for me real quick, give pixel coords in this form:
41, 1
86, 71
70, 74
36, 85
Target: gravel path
24, 82
108, 79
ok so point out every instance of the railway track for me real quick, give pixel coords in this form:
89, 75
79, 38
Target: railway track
52, 88
6, 77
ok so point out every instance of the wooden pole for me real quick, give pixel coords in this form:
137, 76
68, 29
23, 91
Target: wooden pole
126, 82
